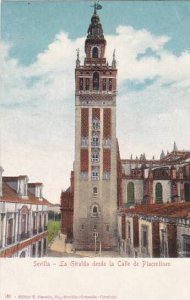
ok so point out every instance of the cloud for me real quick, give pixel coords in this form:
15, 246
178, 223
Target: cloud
38, 104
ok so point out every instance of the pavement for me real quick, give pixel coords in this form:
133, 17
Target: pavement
59, 248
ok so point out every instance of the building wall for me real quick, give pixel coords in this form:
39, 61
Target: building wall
106, 199
138, 187
183, 232
145, 251
166, 188
17, 227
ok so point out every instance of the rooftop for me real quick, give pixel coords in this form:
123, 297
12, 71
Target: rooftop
10, 195
172, 210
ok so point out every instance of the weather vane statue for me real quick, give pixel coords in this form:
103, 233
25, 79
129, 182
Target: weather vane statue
96, 6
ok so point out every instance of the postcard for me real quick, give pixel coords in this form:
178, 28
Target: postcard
95, 153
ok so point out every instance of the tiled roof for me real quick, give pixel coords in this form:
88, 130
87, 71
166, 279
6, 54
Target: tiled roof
14, 178
33, 184
10, 195
173, 210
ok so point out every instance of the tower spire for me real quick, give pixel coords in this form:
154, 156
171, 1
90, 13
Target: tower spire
114, 60
78, 58
175, 147
162, 155
95, 30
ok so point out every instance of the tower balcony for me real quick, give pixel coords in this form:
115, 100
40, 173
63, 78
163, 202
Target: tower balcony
95, 92
106, 143
84, 142
95, 162
95, 144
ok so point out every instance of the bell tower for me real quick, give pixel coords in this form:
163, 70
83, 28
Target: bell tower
95, 166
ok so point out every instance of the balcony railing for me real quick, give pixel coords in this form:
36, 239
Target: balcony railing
23, 236
87, 92
10, 240
95, 144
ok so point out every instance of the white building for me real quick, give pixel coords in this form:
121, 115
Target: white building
23, 218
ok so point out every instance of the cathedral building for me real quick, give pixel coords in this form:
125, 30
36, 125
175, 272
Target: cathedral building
103, 186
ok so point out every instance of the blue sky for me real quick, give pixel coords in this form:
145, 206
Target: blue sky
39, 42
31, 27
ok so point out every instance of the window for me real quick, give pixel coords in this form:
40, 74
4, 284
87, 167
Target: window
95, 174
106, 175
110, 84
104, 84
159, 193
187, 191
40, 221
33, 250
128, 230
10, 232
23, 254
82, 226
84, 141
95, 156
107, 228
95, 191
87, 84
95, 140
96, 124
95, 212
164, 250
81, 84
144, 237
95, 52
186, 245
130, 192
96, 81
84, 175
23, 224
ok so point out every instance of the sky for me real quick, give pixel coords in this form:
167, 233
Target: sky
38, 52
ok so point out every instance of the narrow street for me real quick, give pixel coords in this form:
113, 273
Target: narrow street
59, 248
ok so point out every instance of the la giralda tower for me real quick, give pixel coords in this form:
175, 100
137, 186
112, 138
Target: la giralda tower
95, 166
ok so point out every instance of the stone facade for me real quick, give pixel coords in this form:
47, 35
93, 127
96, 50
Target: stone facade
95, 167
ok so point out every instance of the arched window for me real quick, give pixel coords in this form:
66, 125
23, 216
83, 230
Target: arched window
23, 254
187, 191
104, 84
96, 81
110, 84
159, 193
81, 84
95, 191
87, 84
95, 52
130, 192
95, 211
